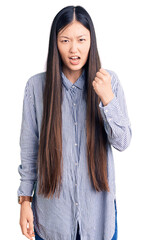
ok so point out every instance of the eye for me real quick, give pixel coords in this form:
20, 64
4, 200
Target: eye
82, 39
64, 40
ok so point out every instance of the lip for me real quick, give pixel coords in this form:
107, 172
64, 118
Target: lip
74, 62
74, 56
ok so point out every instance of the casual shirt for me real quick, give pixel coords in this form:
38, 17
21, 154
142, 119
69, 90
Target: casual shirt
56, 218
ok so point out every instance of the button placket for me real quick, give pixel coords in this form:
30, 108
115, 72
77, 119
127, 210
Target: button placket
76, 98
75, 123
76, 145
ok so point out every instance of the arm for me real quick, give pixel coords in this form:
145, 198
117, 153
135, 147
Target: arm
28, 143
115, 117
29, 151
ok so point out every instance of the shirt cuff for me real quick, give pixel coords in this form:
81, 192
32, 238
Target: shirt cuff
112, 112
25, 189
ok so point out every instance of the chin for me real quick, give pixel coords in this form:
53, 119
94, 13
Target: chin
75, 67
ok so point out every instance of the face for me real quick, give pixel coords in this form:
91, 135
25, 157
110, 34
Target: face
73, 41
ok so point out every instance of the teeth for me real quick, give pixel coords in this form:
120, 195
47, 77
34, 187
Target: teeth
74, 57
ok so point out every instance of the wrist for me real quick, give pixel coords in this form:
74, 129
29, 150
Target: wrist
25, 203
107, 100
22, 199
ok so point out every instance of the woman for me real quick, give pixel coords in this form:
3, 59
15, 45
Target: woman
72, 114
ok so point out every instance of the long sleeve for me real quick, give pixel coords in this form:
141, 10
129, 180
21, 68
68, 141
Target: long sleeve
28, 143
116, 121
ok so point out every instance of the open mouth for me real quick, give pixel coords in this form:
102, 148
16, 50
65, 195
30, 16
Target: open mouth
74, 58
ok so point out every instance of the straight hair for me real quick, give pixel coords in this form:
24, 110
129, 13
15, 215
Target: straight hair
50, 160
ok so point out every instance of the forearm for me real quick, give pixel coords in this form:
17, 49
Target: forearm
116, 120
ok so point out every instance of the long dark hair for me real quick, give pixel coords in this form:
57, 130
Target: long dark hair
50, 161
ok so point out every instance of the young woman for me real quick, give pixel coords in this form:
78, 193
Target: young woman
72, 114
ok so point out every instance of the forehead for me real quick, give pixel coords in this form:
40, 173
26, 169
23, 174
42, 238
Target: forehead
74, 29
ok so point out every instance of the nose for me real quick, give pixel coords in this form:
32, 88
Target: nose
73, 47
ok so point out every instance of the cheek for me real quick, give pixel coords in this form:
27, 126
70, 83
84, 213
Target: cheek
60, 49
85, 53
62, 53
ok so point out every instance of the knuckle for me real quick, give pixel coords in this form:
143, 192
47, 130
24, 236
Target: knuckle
25, 233
97, 79
21, 224
30, 219
97, 74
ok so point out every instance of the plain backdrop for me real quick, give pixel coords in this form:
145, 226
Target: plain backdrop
122, 37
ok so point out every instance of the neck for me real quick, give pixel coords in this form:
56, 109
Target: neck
72, 75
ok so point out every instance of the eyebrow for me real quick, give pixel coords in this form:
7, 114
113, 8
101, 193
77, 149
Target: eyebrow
78, 36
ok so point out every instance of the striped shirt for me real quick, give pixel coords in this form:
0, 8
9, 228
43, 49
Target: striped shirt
57, 218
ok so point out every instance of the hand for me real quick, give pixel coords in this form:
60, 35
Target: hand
102, 86
26, 216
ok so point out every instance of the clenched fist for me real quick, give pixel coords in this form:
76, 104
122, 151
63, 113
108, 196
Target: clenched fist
102, 86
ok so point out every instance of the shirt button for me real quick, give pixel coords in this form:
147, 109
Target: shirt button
76, 163
110, 119
74, 104
75, 123
76, 144
76, 203
73, 86
106, 110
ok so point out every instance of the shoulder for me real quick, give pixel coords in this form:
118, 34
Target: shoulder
37, 80
35, 84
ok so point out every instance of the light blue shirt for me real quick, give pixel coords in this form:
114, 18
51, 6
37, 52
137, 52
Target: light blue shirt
56, 219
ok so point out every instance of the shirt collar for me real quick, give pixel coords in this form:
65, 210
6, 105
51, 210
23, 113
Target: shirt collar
79, 83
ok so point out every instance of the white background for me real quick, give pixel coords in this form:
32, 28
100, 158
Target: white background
122, 36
